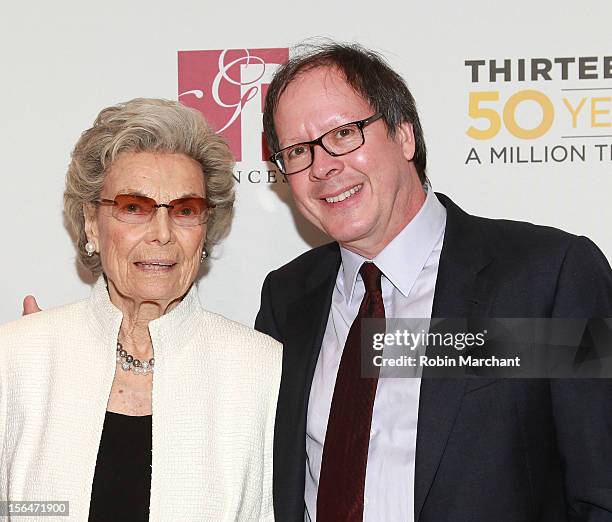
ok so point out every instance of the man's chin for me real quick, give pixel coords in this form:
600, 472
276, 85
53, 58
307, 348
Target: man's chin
348, 238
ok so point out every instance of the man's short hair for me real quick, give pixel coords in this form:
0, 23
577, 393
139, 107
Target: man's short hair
368, 74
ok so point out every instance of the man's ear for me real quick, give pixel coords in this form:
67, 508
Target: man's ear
405, 136
91, 224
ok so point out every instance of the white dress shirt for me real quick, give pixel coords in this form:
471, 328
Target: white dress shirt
409, 264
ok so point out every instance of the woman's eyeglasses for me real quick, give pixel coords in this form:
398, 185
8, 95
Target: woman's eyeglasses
185, 212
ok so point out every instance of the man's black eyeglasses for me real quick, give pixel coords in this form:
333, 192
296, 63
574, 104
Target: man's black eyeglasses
336, 142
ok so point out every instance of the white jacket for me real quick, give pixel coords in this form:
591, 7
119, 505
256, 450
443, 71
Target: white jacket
215, 389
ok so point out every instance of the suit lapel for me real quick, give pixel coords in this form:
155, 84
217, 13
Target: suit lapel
307, 321
305, 327
461, 291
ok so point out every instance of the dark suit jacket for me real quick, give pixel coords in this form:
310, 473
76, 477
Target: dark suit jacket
490, 450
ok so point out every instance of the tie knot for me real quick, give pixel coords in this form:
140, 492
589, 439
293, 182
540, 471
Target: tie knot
370, 274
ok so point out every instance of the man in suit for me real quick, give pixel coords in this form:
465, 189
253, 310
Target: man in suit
347, 136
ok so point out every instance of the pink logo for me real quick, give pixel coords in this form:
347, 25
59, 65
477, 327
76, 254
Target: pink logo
229, 87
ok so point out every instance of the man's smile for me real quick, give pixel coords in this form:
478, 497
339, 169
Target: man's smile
344, 194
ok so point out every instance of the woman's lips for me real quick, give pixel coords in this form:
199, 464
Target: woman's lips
155, 265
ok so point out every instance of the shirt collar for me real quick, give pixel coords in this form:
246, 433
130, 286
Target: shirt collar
106, 318
404, 257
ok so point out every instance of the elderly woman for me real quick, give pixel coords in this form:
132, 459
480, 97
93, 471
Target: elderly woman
136, 404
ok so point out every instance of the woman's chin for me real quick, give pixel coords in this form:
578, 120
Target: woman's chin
156, 290
158, 293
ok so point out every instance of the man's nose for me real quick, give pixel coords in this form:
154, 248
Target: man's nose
324, 165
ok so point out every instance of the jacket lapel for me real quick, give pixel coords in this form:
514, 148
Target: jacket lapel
306, 321
461, 291
307, 318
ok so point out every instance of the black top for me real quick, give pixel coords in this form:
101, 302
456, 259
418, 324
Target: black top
122, 480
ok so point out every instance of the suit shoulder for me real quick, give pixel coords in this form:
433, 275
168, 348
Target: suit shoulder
309, 261
34, 336
40, 325
522, 236
504, 235
240, 335
248, 354
546, 250
530, 232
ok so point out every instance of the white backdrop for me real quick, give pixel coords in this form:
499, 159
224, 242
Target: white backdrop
61, 62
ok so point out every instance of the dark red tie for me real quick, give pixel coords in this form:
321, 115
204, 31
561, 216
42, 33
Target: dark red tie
345, 453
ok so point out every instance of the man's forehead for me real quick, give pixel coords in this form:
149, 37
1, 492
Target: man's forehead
320, 96
326, 79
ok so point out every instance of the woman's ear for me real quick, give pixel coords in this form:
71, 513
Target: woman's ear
91, 224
